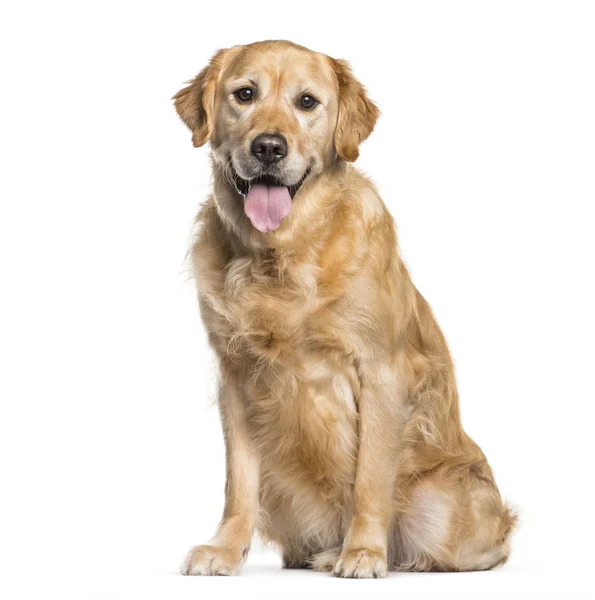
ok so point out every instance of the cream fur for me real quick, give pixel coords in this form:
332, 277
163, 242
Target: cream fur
338, 397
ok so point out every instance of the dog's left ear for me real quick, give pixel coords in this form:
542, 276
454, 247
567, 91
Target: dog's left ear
195, 102
357, 113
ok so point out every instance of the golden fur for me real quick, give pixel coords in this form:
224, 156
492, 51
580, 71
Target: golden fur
338, 396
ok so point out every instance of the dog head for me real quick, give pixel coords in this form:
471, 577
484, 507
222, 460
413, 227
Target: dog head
276, 115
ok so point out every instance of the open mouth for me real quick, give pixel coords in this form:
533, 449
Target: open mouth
243, 185
267, 200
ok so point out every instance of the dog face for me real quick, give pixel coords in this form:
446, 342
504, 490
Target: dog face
276, 115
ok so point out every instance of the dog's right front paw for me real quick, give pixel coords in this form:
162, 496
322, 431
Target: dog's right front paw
212, 560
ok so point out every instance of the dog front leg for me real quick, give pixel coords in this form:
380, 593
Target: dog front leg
226, 551
380, 409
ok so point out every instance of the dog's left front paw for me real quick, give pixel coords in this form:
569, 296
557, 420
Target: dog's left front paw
361, 563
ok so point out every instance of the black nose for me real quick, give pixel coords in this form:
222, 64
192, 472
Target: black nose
269, 148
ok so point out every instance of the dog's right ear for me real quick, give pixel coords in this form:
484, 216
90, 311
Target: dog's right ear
195, 102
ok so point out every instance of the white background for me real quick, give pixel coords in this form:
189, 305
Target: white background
111, 451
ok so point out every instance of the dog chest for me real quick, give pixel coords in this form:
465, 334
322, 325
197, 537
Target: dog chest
299, 382
305, 426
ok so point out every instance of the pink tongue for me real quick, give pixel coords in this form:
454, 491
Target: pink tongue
267, 206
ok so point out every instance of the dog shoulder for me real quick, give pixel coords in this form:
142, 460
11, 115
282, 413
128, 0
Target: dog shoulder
210, 248
366, 199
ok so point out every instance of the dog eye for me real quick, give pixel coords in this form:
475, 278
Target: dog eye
244, 95
307, 102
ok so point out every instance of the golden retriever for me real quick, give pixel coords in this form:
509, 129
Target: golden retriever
337, 393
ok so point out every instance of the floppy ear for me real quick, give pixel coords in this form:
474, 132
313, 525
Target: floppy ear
357, 113
195, 102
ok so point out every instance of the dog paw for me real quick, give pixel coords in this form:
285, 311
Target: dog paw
212, 560
361, 563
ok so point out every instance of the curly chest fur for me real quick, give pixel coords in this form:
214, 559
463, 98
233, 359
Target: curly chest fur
279, 317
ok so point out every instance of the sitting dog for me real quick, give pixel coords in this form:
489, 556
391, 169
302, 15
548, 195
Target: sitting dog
337, 393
